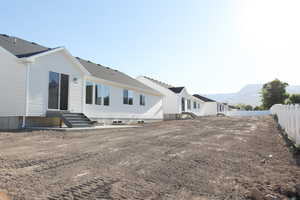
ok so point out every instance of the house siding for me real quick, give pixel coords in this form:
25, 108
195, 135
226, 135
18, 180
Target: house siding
39, 77
118, 110
171, 101
184, 94
12, 85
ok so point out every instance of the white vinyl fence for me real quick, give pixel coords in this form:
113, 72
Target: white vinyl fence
289, 120
248, 113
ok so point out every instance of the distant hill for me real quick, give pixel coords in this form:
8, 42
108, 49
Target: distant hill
247, 95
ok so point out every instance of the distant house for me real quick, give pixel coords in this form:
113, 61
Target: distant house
211, 107
176, 100
47, 86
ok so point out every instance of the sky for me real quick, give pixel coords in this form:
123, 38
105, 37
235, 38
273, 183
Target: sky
208, 46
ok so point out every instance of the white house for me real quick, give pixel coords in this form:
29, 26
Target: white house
211, 107
176, 99
47, 86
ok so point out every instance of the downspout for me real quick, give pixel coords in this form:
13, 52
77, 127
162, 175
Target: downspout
83, 95
26, 95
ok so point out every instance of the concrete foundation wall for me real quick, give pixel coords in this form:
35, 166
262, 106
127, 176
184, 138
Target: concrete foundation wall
109, 121
10, 123
172, 116
42, 122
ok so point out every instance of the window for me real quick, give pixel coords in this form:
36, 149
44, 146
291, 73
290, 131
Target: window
182, 104
53, 90
195, 105
127, 97
89, 93
198, 105
98, 94
106, 95
142, 100
58, 91
189, 104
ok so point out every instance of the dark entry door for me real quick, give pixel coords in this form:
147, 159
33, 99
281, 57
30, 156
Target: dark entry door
64, 91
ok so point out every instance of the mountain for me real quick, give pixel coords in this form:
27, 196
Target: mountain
247, 95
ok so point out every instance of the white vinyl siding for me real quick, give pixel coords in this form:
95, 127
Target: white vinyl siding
12, 85
39, 77
117, 109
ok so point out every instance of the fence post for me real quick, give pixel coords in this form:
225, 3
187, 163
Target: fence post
297, 118
293, 120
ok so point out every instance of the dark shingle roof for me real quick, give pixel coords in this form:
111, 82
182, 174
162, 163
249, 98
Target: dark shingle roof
19, 47
22, 48
205, 99
109, 74
176, 89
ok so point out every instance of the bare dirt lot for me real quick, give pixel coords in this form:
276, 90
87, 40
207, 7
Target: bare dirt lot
207, 158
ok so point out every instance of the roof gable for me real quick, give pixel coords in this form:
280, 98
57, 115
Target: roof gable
205, 99
172, 88
176, 90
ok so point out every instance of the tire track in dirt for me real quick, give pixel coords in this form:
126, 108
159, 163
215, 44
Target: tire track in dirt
96, 188
53, 164
10, 173
46, 164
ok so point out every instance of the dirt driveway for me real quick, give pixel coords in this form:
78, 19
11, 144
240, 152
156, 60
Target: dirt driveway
209, 158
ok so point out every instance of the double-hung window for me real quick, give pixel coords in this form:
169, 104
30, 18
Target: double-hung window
127, 97
89, 93
106, 94
189, 104
195, 105
142, 100
98, 94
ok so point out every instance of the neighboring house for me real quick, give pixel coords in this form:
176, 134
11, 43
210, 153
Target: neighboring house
176, 99
211, 107
44, 86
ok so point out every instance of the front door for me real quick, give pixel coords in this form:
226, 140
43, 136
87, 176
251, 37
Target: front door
58, 92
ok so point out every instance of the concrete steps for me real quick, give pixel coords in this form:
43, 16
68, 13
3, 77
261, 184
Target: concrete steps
76, 120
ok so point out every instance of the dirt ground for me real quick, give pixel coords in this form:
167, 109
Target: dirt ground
208, 158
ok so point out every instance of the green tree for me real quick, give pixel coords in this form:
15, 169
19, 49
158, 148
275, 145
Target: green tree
258, 108
248, 107
244, 107
273, 93
293, 99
